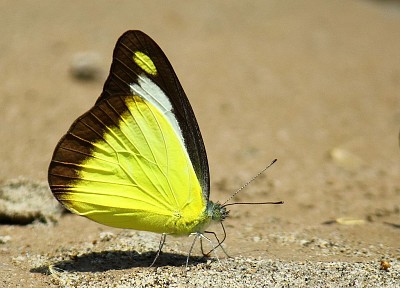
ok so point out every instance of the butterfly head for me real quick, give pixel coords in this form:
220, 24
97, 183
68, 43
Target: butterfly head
216, 212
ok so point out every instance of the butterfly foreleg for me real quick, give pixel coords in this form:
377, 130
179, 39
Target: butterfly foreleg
219, 243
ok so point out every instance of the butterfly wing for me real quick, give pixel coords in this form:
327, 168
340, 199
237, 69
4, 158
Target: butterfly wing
122, 74
136, 159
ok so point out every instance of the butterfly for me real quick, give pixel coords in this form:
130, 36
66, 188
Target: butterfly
136, 159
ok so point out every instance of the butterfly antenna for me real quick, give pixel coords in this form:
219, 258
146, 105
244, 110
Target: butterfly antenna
245, 185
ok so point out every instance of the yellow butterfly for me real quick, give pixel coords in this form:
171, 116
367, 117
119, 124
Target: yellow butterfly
136, 159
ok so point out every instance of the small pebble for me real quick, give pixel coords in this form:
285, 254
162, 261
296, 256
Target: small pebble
345, 159
85, 66
385, 265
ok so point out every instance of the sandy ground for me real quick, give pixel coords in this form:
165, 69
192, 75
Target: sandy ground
313, 83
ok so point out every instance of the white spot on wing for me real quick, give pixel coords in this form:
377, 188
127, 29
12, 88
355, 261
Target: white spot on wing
148, 90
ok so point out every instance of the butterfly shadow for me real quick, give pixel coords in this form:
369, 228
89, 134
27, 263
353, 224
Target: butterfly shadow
393, 225
117, 260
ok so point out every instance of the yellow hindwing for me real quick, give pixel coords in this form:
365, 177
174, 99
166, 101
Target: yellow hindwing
138, 176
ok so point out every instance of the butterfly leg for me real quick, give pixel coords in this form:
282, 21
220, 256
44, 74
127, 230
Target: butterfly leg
196, 235
162, 241
201, 236
202, 249
215, 247
219, 242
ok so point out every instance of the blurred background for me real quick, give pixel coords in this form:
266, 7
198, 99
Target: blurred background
267, 79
